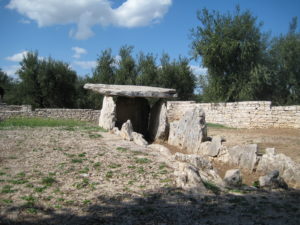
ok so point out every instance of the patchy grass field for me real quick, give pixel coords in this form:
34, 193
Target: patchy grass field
78, 174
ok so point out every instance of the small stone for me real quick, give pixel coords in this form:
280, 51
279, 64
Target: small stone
139, 139
273, 181
233, 178
126, 131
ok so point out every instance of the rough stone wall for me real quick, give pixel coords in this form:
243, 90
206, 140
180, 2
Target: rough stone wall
251, 114
19, 108
77, 114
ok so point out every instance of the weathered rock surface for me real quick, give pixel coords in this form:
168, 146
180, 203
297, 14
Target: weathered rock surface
126, 131
132, 91
108, 113
272, 180
194, 160
204, 167
158, 126
244, 156
190, 131
162, 149
211, 148
139, 139
188, 178
289, 170
233, 178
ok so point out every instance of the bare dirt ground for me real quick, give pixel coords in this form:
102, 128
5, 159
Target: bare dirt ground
59, 176
286, 141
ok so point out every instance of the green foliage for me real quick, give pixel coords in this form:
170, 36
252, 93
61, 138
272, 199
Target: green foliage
127, 70
46, 82
242, 63
39, 122
230, 45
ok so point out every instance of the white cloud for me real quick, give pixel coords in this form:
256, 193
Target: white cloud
88, 13
198, 70
78, 52
85, 64
18, 57
11, 70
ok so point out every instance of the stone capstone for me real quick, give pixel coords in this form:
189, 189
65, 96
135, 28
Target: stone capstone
190, 131
272, 181
158, 125
233, 178
132, 91
107, 117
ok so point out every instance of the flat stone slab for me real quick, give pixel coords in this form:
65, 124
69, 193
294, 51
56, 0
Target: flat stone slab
132, 91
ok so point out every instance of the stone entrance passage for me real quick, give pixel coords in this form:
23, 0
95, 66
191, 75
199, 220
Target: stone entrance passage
132, 104
136, 110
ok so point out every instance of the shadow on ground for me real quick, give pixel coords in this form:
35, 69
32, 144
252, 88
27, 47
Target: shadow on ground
172, 206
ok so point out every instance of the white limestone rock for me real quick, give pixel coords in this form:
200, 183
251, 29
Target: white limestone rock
233, 178
190, 131
126, 131
289, 170
244, 156
188, 178
272, 181
108, 113
139, 139
159, 126
132, 91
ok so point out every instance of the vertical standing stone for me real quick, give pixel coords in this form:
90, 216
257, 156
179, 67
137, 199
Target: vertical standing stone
158, 126
108, 113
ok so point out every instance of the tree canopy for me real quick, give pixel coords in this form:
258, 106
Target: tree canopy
243, 64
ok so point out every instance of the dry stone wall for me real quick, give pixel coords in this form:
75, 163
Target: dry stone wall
77, 114
251, 114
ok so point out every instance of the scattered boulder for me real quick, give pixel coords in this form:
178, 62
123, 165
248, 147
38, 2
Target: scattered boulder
233, 178
211, 148
288, 169
126, 131
190, 131
272, 181
115, 131
162, 149
188, 178
244, 156
107, 117
139, 139
203, 166
158, 125
195, 160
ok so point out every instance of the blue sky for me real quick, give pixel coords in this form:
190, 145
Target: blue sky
75, 31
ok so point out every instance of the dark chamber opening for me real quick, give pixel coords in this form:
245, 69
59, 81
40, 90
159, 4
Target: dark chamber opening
136, 110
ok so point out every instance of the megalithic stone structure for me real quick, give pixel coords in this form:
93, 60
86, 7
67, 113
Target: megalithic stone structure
129, 102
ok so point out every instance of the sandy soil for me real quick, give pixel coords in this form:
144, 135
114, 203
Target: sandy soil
58, 176
286, 141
